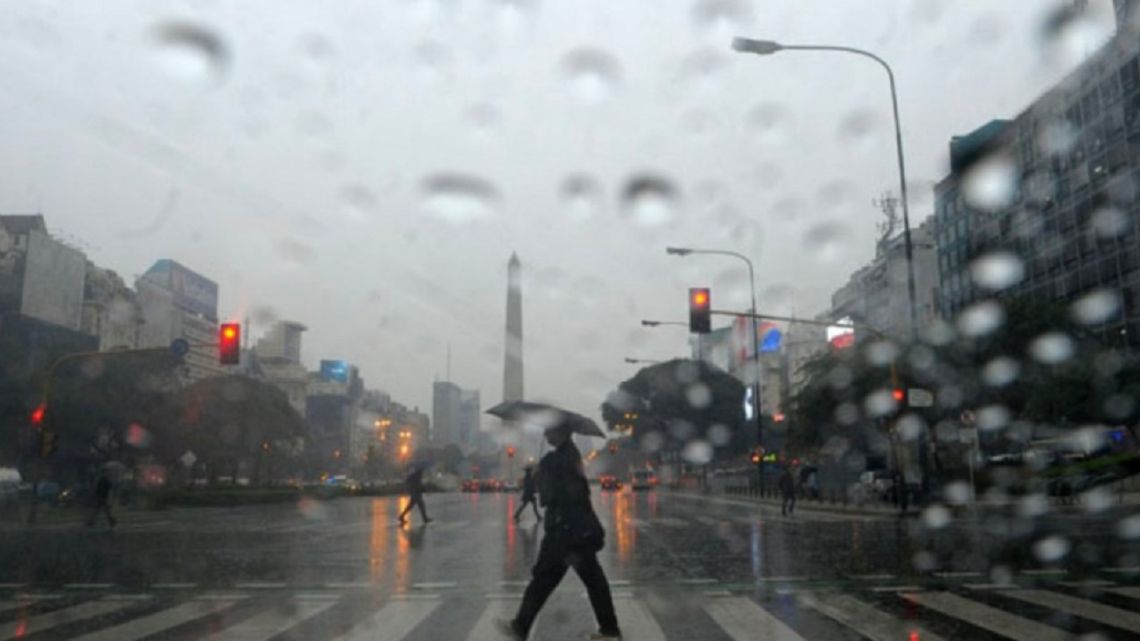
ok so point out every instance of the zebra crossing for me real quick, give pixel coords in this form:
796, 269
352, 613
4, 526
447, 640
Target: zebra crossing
803, 614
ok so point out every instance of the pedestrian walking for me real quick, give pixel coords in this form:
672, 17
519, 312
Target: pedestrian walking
574, 535
102, 500
528, 494
788, 489
415, 484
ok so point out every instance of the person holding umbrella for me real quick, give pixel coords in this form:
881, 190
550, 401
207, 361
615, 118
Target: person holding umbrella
574, 535
415, 484
102, 499
528, 491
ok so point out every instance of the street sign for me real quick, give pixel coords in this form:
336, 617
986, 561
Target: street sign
179, 347
918, 397
188, 459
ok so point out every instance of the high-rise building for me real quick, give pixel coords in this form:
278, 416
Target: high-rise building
178, 302
40, 277
445, 402
513, 361
279, 357
1071, 217
469, 419
111, 310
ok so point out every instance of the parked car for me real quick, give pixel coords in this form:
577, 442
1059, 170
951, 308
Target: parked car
490, 485
877, 484
609, 483
9, 486
469, 485
642, 479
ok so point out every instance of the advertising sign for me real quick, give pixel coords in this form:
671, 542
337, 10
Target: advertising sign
841, 335
192, 291
334, 371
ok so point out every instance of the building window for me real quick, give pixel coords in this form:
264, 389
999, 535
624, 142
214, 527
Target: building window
1110, 90
1130, 75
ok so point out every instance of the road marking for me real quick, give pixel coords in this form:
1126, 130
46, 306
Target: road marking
316, 596
744, 620
127, 597
158, 622
868, 621
274, 621
872, 577
438, 585
709, 521
1045, 572
1083, 608
174, 586
696, 581
897, 588
987, 618
521, 584
1130, 592
485, 629
496, 596
781, 579
220, 596
1088, 583
636, 622
991, 586
408, 596
716, 594
23, 627
260, 585
86, 586
16, 604
957, 575
348, 585
393, 622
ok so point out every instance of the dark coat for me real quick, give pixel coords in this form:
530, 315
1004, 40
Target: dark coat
565, 493
528, 486
415, 482
787, 484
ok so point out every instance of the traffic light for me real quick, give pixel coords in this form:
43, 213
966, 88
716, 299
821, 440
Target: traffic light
49, 443
899, 396
756, 458
510, 452
700, 302
229, 343
37, 416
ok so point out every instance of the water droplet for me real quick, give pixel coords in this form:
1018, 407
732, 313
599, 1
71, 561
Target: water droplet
296, 251
314, 124
882, 352
910, 427
840, 377
993, 417
581, 196
702, 69
1069, 33
879, 403
836, 194
957, 492
699, 123
1000, 371
1051, 549
513, 15
652, 441
997, 270
826, 241
1032, 505
1057, 137
649, 201
991, 183
698, 395
1129, 527
1096, 500
938, 333
1097, 306
697, 452
593, 74
1119, 406
1052, 348
847, 414
482, 117
316, 48
925, 561
722, 16
720, 435
1109, 222
771, 122
359, 202
432, 61
987, 30
193, 53
859, 129
459, 198
687, 372
936, 517
981, 318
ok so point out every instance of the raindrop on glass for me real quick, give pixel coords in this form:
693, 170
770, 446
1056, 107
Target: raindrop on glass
1129, 527
721, 16
936, 517
847, 414
1032, 505
698, 395
771, 123
957, 492
1052, 348
697, 452
593, 75
1000, 371
1096, 306
581, 196
649, 201
1109, 222
193, 53
879, 403
1057, 138
720, 435
652, 441
458, 198
981, 318
993, 417
359, 202
859, 129
991, 183
826, 241
1051, 549
1069, 33
482, 117
882, 352
997, 270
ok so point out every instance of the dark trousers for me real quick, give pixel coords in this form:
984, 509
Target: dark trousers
553, 561
104, 506
533, 503
417, 499
789, 505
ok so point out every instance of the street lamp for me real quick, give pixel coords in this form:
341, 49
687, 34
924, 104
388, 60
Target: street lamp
769, 47
686, 251
642, 361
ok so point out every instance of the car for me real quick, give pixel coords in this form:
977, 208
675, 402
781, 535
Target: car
490, 485
470, 485
643, 479
609, 483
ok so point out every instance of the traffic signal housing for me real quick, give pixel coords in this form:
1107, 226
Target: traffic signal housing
229, 343
37, 415
49, 443
700, 305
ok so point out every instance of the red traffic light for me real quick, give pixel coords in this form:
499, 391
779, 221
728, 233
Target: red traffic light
898, 394
755, 458
700, 302
38, 415
510, 452
229, 343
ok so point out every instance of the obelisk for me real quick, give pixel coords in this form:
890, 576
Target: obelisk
513, 363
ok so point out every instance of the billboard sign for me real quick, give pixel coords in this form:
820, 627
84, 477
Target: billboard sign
54, 276
192, 291
334, 371
769, 338
842, 334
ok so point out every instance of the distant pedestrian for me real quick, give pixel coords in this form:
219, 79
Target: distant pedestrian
574, 535
415, 484
788, 489
102, 502
528, 492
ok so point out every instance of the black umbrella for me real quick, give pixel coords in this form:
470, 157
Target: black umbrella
547, 415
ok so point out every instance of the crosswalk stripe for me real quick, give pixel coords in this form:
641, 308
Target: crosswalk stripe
988, 618
1130, 592
33, 624
15, 604
485, 629
865, 619
157, 622
636, 622
272, 622
393, 622
1083, 608
744, 620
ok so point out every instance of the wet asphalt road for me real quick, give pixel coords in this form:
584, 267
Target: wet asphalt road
666, 554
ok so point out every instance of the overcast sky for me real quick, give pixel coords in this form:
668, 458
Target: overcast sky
367, 168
